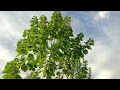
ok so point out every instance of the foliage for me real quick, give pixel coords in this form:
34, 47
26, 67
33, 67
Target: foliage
50, 49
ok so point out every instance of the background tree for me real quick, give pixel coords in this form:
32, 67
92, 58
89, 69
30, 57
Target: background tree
49, 50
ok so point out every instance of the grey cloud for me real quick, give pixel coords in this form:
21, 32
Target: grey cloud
106, 58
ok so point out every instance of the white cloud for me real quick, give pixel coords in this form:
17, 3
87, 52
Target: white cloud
97, 57
105, 74
104, 58
102, 15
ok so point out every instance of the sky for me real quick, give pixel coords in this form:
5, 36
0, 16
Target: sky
103, 26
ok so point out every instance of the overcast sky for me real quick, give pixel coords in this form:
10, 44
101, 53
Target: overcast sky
103, 26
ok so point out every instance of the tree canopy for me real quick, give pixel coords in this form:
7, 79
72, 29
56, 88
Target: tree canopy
50, 50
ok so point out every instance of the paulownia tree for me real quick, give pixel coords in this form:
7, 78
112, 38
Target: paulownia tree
49, 50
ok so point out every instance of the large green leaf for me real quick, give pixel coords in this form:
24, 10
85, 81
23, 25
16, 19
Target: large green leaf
30, 57
44, 72
85, 51
24, 67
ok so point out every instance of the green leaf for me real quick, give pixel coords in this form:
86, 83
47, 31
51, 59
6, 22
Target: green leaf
85, 51
18, 76
33, 75
8, 76
65, 71
48, 74
25, 33
33, 69
44, 72
30, 65
24, 67
30, 57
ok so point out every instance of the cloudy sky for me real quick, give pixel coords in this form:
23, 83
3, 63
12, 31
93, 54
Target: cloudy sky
103, 26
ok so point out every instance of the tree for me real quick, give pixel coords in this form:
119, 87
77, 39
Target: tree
49, 49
